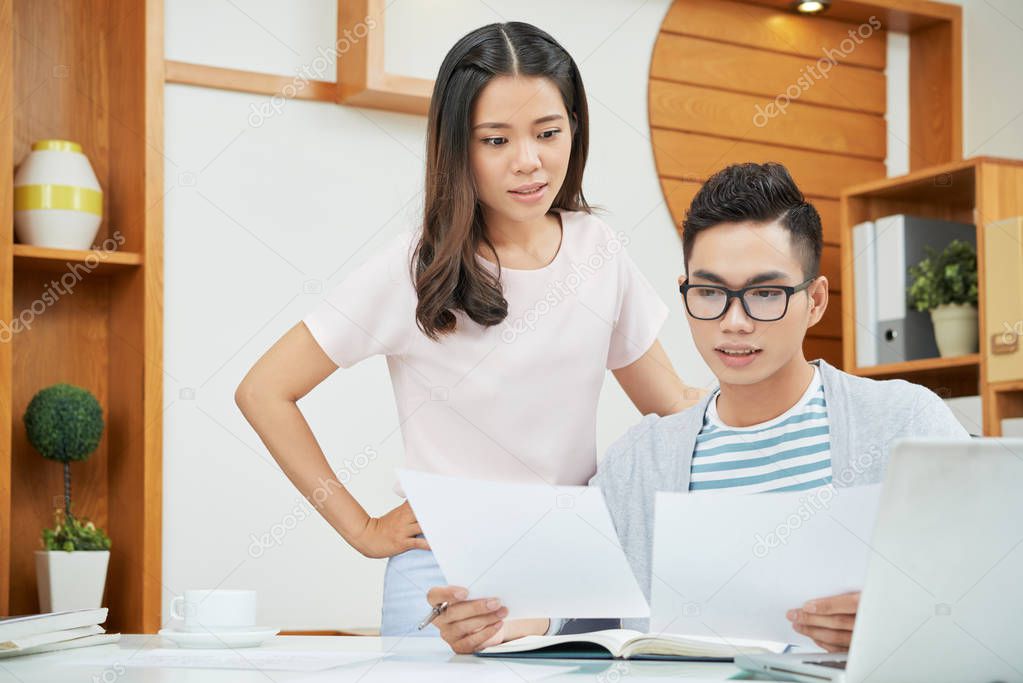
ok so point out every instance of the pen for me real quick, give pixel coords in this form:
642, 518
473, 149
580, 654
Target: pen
434, 613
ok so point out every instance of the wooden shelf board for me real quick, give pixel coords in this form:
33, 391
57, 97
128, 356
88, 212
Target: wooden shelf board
1006, 387
889, 187
947, 377
240, 80
948, 184
921, 365
31, 257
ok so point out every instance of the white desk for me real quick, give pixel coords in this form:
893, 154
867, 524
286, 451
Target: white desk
412, 660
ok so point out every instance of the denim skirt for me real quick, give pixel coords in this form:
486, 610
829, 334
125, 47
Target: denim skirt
408, 578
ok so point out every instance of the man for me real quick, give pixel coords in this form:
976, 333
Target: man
752, 288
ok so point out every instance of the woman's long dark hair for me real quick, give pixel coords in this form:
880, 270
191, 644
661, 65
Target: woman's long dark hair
445, 270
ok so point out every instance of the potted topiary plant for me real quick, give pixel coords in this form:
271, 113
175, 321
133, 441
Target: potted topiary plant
65, 423
945, 284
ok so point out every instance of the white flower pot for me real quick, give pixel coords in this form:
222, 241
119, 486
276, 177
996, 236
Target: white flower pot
955, 329
71, 580
57, 199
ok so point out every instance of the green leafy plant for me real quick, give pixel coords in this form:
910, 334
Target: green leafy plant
72, 533
64, 423
948, 277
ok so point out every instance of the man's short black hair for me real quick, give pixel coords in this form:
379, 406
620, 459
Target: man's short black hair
758, 193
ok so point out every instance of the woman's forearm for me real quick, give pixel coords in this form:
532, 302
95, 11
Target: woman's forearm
653, 385
688, 397
286, 434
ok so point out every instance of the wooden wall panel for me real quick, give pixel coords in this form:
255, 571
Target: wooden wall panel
678, 194
738, 116
719, 65
824, 347
830, 325
935, 95
830, 259
710, 63
770, 29
688, 156
831, 218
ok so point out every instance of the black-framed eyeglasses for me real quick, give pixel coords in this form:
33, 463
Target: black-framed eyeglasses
765, 303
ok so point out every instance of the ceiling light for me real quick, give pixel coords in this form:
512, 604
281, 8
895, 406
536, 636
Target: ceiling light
811, 6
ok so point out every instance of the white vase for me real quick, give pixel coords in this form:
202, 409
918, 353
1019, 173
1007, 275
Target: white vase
955, 329
71, 580
57, 198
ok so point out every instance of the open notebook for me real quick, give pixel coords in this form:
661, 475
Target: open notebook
626, 644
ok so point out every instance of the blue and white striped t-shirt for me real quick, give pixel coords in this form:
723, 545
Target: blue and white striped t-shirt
789, 453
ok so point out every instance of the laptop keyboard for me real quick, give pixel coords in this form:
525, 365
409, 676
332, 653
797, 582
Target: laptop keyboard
834, 664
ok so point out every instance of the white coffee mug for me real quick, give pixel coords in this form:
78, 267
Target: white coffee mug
215, 609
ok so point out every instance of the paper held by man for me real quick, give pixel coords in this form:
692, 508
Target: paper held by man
724, 566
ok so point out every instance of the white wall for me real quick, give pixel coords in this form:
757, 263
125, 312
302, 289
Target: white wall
992, 80
897, 103
261, 219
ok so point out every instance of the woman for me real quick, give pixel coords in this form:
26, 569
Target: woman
498, 316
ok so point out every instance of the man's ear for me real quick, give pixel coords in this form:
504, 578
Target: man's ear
817, 294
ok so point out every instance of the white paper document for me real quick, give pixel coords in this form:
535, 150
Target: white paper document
732, 565
257, 659
464, 671
545, 551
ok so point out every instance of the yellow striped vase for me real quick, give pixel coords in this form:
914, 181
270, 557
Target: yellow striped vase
57, 199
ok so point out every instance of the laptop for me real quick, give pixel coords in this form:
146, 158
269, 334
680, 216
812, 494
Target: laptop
943, 596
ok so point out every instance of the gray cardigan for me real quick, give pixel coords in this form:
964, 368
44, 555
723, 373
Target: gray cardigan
865, 418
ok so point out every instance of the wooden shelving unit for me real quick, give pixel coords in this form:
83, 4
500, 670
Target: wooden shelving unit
90, 71
984, 191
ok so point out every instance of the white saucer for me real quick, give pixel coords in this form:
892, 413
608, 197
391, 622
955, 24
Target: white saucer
219, 639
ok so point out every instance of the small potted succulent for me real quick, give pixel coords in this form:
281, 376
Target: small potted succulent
64, 423
945, 284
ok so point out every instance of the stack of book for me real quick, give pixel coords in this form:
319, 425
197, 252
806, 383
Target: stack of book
33, 633
888, 330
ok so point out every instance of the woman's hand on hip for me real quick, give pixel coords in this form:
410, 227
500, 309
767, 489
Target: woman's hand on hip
392, 534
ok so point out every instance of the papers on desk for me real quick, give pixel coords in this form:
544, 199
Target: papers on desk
321, 665
733, 565
257, 659
461, 670
543, 550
